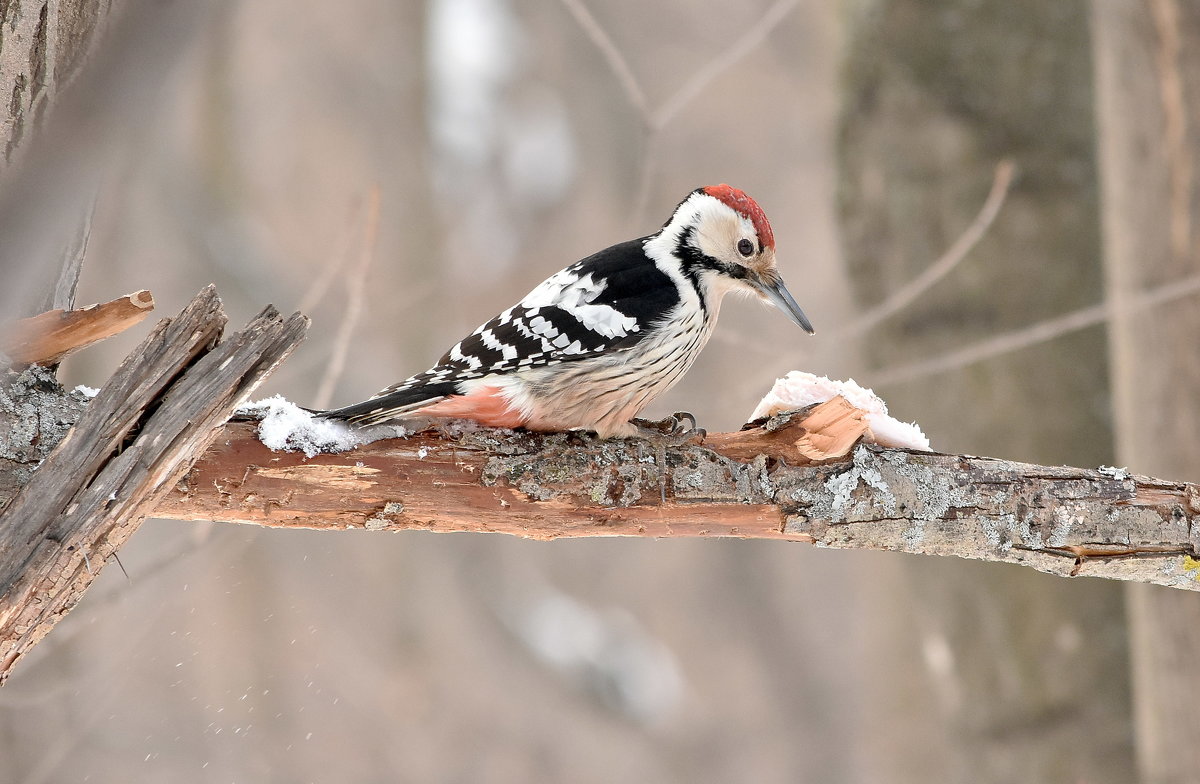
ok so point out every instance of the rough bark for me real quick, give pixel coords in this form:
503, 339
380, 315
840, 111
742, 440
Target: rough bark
1147, 57
145, 428
1064, 521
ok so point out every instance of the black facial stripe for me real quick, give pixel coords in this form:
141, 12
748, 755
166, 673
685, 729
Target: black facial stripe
695, 260
734, 270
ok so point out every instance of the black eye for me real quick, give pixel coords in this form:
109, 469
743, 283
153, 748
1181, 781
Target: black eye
745, 247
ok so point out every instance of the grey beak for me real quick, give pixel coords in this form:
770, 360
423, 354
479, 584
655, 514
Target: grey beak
780, 297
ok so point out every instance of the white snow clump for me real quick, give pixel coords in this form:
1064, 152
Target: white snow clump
287, 427
798, 389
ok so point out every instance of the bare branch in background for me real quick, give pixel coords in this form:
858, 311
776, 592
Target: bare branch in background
1029, 336
908, 293
612, 55
62, 296
657, 119
356, 298
712, 68
320, 285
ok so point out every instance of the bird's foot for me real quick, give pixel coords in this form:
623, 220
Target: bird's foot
681, 425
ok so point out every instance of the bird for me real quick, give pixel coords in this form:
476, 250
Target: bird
592, 345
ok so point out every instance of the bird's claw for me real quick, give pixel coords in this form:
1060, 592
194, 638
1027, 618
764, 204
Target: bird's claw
681, 424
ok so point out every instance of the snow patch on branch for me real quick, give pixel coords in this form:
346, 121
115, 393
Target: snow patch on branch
286, 427
798, 389
1120, 474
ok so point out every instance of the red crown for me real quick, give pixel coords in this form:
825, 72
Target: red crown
739, 201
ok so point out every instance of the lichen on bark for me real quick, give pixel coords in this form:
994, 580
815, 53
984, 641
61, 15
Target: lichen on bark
35, 415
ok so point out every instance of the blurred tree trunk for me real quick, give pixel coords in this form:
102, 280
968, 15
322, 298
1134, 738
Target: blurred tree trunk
44, 44
1147, 57
1013, 677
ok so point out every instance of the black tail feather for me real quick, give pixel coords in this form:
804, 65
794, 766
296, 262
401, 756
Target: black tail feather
382, 409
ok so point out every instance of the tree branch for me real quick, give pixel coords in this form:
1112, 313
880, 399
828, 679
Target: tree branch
1064, 521
152, 443
48, 338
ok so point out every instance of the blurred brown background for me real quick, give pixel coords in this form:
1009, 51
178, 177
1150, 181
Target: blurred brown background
237, 143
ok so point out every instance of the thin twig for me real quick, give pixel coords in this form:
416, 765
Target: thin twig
1029, 336
612, 55
641, 191
74, 252
908, 293
320, 285
656, 120
356, 297
715, 66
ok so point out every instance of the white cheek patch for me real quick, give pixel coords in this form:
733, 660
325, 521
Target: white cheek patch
720, 232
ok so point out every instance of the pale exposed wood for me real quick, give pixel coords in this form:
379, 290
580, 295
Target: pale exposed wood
48, 338
828, 431
152, 419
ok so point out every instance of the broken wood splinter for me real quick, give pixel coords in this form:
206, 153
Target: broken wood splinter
48, 338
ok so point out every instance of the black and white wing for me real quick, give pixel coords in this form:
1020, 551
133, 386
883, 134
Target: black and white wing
606, 302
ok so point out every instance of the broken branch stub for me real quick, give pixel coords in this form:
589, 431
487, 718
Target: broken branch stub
149, 423
818, 433
48, 338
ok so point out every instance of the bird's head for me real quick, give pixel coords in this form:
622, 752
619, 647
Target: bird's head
722, 238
